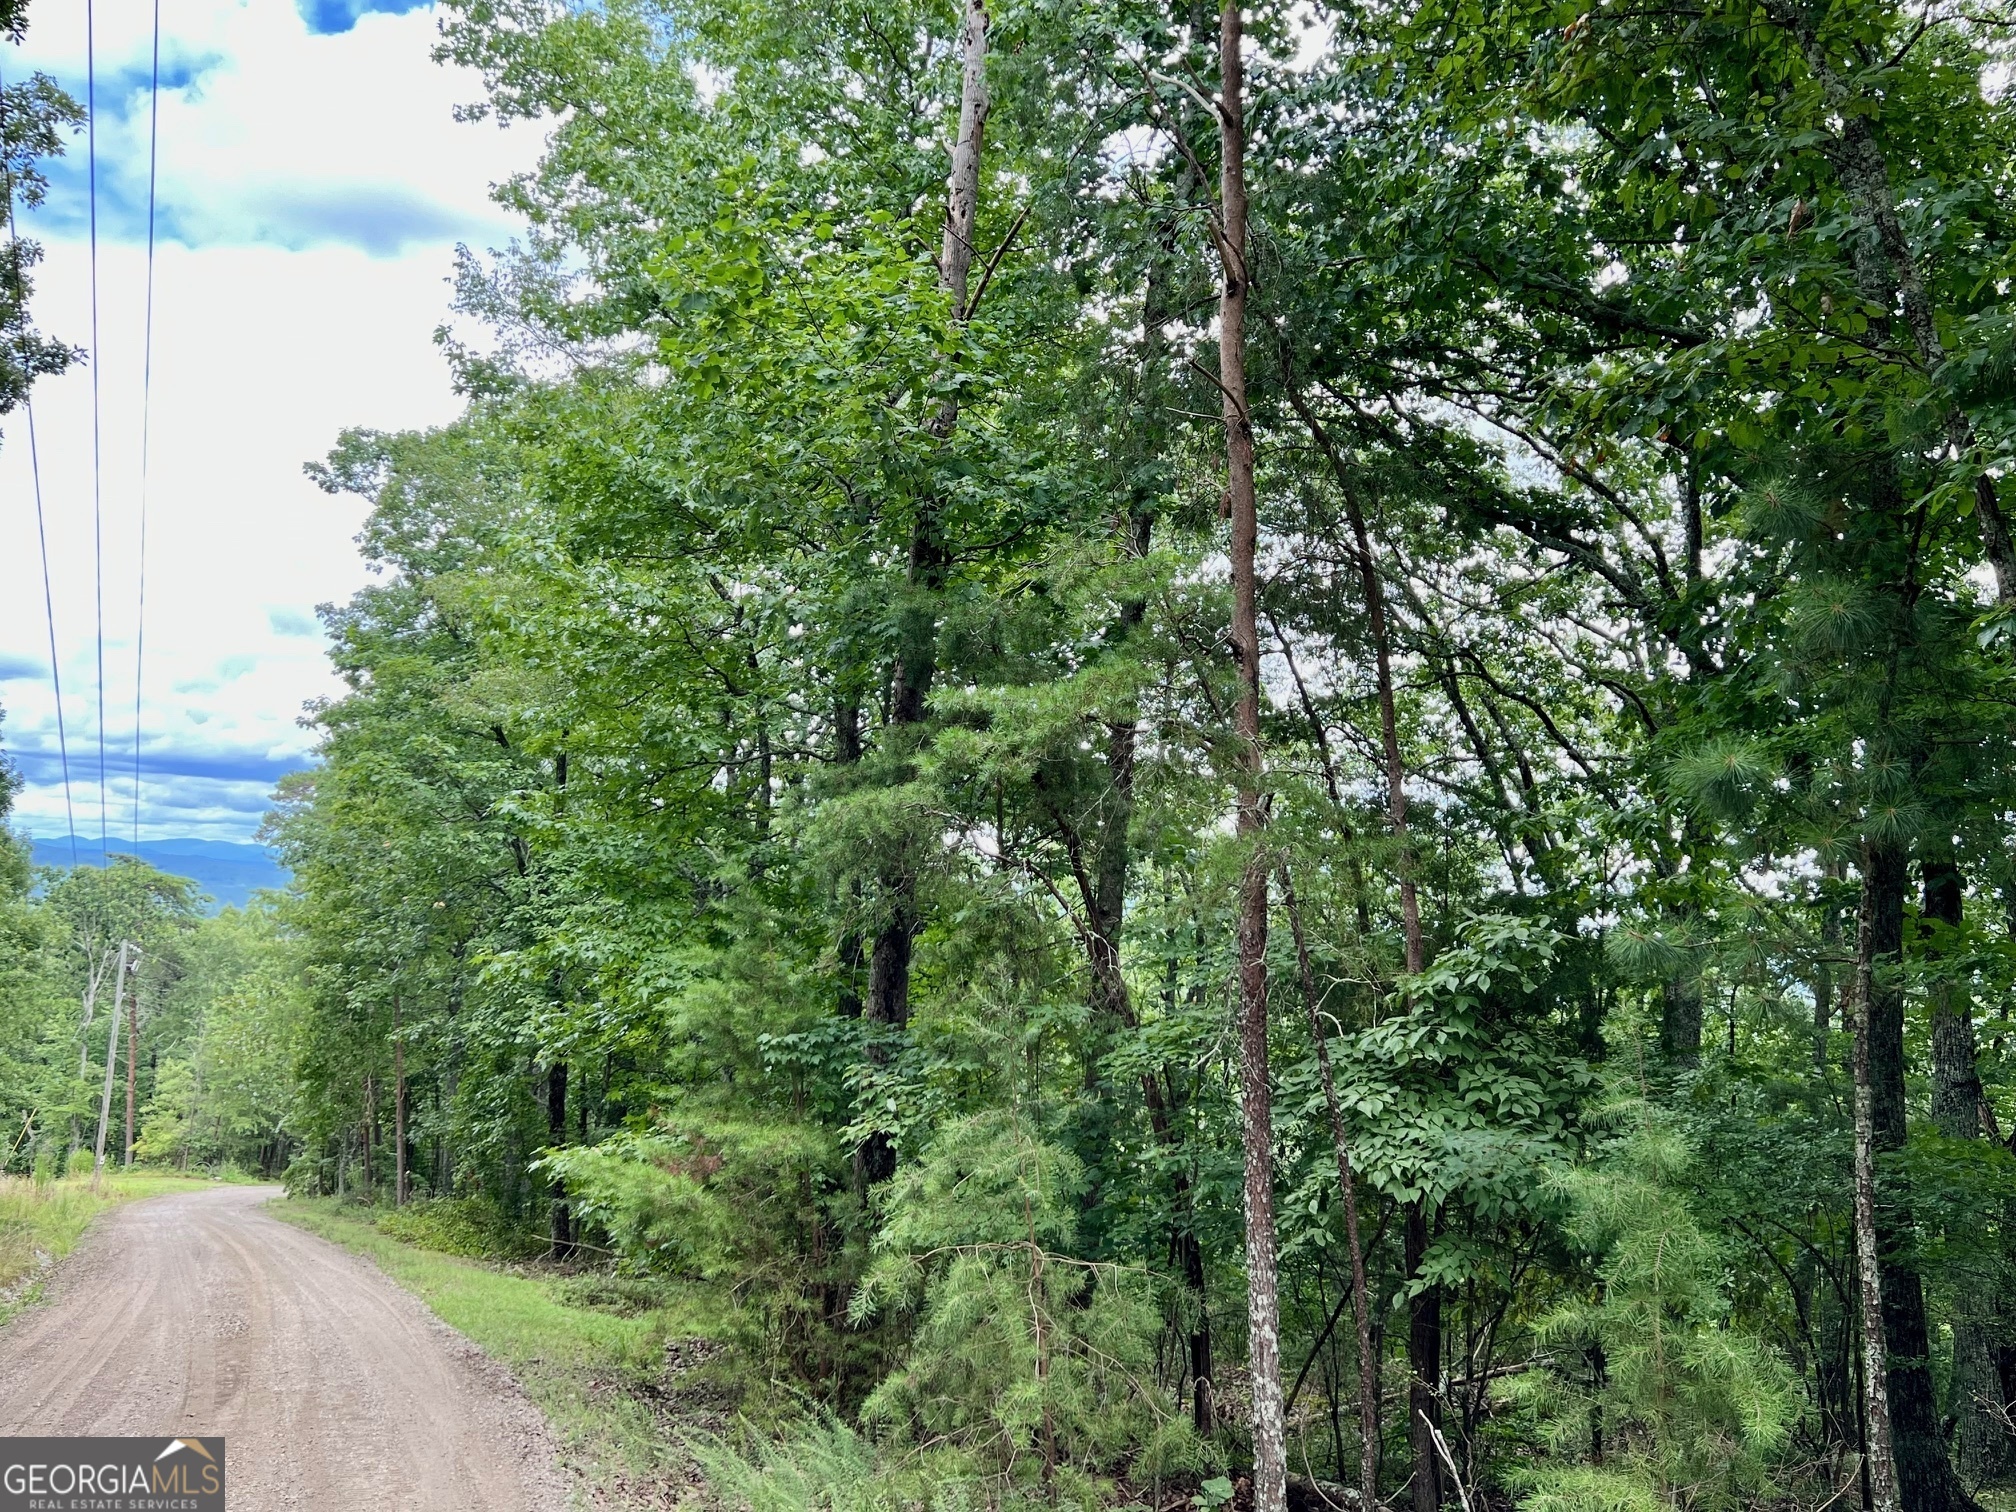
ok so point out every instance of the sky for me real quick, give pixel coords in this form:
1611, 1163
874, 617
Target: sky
312, 187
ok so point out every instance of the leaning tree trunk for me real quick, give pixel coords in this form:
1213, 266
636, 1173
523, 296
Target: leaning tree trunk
1263, 1300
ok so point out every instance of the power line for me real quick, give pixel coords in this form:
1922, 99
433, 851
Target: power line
97, 351
41, 526
48, 599
146, 410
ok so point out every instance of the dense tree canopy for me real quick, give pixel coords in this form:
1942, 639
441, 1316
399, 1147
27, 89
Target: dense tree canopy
848, 791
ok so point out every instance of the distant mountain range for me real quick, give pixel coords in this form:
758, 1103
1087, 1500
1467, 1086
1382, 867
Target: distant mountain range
229, 871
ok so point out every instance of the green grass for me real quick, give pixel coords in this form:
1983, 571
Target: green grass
41, 1222
590, 1350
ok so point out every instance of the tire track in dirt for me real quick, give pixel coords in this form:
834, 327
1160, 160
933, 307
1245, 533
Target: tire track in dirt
199, 1313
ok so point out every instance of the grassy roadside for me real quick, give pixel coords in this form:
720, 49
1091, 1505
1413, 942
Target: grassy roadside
41, 1222
619, 1369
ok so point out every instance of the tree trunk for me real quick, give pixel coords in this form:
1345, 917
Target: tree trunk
1823, 973
93, 980
1424, 1365
1880, 1467
562, 1244
1888, 270
1983, 1447
1680, 1020
368, 1115
1263, 1301
916, 660
1190, 1264
1424, 1307
1887, 274
1361, 1306
1389, 733
1925, 1481
398, 1109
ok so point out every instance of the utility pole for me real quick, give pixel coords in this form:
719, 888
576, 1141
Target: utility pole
111, 1055
132, 1057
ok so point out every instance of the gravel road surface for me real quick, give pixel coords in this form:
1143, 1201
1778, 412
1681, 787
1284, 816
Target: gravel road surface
335, 1391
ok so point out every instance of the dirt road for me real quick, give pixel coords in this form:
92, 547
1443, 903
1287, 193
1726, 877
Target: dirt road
334, 1389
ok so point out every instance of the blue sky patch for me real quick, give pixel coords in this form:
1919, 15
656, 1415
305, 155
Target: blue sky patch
292, 622
328, 17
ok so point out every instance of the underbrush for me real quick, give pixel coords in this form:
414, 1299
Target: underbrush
41, 1221
1013, 1374
469, 1227
828, 1466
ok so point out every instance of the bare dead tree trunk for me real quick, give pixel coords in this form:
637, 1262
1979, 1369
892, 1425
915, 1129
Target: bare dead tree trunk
93, 980
1361, 1305
1263, 1300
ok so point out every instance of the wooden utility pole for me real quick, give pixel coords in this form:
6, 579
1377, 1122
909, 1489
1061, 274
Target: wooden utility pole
111, 1056
132, 1060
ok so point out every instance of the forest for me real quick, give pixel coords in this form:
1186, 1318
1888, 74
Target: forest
1256, 757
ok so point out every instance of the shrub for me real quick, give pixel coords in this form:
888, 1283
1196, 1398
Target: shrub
1691, 1411
698, 1196
472, 1227
1034, 1367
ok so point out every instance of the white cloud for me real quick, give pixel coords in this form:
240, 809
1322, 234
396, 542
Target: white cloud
302, 303
272, 133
